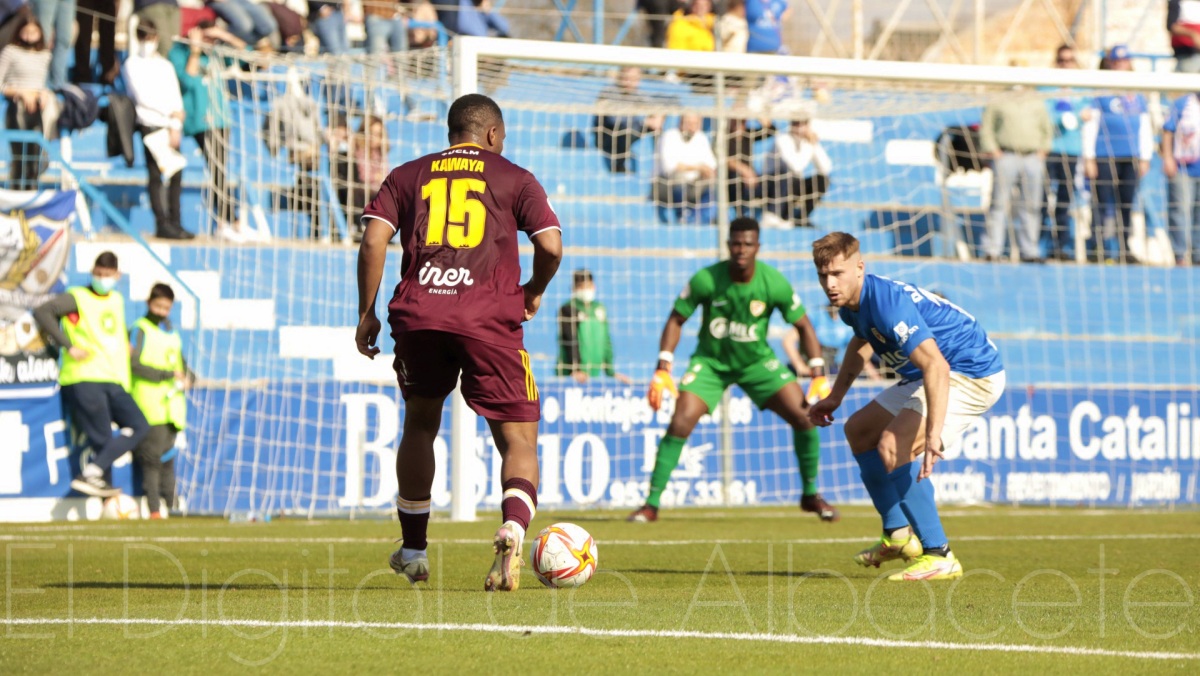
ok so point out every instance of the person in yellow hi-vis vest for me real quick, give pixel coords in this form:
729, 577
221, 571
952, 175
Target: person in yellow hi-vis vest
160, 376
88, 325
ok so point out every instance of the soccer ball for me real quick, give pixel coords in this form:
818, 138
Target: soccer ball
564, 555
120, 507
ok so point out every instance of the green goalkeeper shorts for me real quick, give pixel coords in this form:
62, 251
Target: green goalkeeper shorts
708, 379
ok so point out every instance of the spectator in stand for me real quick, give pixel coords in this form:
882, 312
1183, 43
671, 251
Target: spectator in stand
13, 15
1117, 146
24, 71
160, 376
100, 15
691, 28
766, 18
585, 348
732, 31
472, 17
290, 18
1183, 23
164, 14
370, 152
386, 26
1181, 164
658, 14
88, 325
152, 84
791, 192
745, 188
1016, 135
616, 130
685, 172
248, 20
1067, 115
423, 12
328, 23
57, 18
206, 119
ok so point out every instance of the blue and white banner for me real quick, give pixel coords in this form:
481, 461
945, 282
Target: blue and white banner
34, 247
328, 447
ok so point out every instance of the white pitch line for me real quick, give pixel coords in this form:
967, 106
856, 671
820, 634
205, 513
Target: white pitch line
617, 633
198, 539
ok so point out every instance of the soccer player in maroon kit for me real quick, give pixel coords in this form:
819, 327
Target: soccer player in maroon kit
459, 308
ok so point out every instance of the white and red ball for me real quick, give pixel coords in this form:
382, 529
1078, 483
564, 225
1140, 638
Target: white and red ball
564, 555
120, 507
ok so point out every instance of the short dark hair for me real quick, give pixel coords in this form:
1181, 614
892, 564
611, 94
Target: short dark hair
743, 224
581, 275
473, 114
161, 290
108, 260
146, 30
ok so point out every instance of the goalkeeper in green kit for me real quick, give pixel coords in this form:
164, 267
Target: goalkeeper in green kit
738, 297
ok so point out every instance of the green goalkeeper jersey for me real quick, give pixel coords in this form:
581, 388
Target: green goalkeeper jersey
736, 316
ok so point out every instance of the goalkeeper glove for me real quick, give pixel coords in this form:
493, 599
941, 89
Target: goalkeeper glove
818, 389
661, 381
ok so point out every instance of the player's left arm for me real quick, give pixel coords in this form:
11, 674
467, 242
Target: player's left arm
935, 371
811, 345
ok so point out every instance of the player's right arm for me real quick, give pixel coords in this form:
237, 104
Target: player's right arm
857, 354
382, 219
372, 254
697, 292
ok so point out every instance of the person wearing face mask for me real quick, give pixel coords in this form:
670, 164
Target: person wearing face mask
584, 343
88, 325
160, 377
151, 82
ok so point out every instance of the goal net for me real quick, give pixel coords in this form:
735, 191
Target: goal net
1101, 406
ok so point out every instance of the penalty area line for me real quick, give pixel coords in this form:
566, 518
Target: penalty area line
549, 630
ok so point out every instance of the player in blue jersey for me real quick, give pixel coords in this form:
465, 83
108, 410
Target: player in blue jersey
951, 374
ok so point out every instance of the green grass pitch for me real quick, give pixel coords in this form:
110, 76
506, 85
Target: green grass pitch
744, 590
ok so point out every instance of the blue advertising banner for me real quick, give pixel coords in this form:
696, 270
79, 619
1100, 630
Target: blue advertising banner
317, 448
597, 446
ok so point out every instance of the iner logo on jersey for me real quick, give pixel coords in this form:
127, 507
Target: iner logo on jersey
432, 275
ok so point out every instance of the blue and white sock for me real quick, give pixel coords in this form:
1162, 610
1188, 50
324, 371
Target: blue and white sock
916, 500
887, 501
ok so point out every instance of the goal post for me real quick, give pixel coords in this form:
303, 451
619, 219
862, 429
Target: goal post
1089, 349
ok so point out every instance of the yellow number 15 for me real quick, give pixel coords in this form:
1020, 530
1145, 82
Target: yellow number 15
455, 217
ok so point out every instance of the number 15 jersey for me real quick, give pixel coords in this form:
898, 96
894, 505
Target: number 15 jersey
456, 214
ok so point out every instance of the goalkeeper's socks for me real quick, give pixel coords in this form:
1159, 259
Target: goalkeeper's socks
917, 501
414, 521
519, 503
883, 494
669, 450
807, 444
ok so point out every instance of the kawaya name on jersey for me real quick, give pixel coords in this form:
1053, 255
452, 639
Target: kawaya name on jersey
457, 214
895, 317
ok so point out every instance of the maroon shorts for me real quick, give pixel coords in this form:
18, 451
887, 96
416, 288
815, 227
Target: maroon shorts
496, 381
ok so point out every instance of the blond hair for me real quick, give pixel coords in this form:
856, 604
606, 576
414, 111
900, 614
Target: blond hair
832, 245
